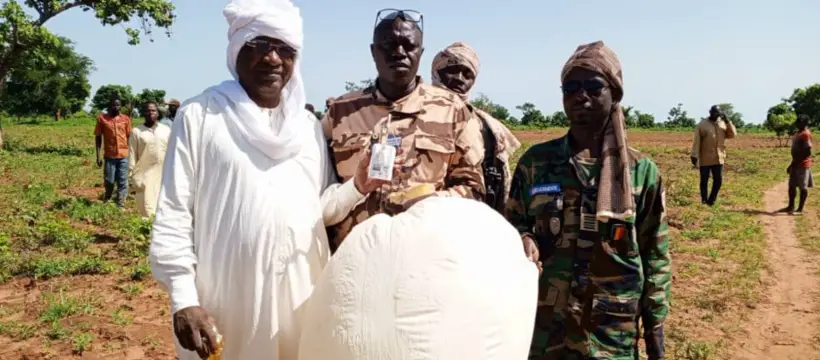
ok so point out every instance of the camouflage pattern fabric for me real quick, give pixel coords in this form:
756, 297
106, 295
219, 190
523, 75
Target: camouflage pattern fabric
440, 139
600, 279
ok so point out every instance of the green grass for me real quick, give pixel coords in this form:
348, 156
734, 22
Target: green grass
57, 232
89, 259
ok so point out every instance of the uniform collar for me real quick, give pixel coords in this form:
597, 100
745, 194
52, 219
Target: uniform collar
413, 103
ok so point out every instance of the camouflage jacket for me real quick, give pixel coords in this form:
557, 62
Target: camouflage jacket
441, 142
599, 278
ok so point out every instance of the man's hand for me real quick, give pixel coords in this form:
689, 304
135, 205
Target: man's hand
531, 251
694, 162
195, 331
361, 179
789, 170
99, 162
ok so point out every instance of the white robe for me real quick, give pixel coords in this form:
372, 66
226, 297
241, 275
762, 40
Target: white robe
242, 236
146, 154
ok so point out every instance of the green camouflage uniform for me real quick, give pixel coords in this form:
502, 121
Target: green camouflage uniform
599, 278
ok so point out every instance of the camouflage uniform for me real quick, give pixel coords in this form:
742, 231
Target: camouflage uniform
599, 278
440, 139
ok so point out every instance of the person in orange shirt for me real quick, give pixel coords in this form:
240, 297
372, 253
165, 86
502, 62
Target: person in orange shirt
111, 134
800, 168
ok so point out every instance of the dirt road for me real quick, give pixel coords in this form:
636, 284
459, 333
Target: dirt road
784, 326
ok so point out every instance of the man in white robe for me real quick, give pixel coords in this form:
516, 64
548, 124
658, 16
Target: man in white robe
146, 152
239, 237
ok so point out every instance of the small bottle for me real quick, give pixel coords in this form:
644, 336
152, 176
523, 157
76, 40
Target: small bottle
217, 355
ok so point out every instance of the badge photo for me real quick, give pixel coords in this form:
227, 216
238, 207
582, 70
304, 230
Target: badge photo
555, 225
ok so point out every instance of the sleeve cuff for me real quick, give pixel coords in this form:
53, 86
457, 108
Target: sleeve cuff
183, 293
348, 194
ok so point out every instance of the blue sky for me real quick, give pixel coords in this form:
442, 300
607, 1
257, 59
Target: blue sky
750, 53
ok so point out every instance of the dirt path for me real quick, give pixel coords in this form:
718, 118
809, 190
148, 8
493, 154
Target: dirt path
784, 325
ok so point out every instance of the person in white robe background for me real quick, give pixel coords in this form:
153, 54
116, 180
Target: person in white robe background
146, 152
248, 186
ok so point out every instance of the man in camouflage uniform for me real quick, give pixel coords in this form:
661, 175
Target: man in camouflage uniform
593, 211
437, 139
456, 69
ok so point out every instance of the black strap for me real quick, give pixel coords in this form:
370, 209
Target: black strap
493, 175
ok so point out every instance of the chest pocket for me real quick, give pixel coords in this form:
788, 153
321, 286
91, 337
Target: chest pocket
346, 149
433, 154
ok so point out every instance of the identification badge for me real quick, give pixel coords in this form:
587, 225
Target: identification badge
555, 225
382, 158
394, 140
545, 189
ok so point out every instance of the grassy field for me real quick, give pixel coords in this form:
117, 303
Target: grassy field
74, 281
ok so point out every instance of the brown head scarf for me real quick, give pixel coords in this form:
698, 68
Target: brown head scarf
615, 183
458, 53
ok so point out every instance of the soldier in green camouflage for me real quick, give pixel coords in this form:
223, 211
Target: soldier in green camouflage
593, 212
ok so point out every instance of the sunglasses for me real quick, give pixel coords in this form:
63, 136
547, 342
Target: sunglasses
264, 47
406, 15
593, 86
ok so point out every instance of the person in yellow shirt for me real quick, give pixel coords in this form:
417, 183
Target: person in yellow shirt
709, 151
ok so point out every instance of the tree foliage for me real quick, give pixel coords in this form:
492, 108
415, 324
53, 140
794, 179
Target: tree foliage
780, 119
361, 85
102, 98
23, 35
645, 121
678, 118
497, 111
806, 101
531, 116
735, 117
149, 95
41, 87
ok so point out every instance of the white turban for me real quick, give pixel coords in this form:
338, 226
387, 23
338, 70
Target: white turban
249, 19
277, 19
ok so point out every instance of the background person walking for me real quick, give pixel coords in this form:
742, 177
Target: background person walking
709, 152
799, 170
113, 130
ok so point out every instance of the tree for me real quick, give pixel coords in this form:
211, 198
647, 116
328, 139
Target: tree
559, 119
645, 121
807, 102
48, 88
155, 95
102, 98
630, 116
484, 103
531, 116
363, 84
678, 118
780, 119
735, 117
22, 35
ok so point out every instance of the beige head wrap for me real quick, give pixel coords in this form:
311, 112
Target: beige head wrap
615, 183
458, 53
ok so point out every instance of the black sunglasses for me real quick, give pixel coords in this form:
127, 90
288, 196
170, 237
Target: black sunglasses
592, 86
264, 47
406, 15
